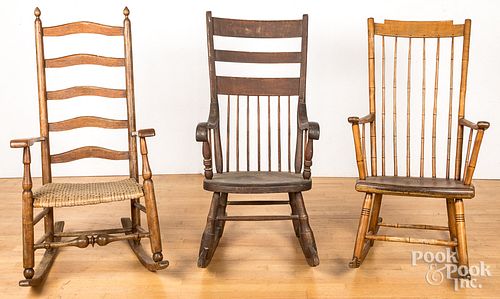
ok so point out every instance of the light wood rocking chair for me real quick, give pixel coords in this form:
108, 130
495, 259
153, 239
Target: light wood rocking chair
52, 195
256, 177
376, 184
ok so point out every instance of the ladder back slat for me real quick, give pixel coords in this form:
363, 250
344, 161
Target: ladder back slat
77, 59
394, 108
257, 29
82, 27
257, 57
78, 91
419, 29
88, 121
422, 132
434, 110
258, 86
89, 152
408, 105
450, 109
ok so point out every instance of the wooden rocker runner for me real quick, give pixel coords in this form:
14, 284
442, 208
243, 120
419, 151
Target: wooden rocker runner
266, 168
454, 186
54, 195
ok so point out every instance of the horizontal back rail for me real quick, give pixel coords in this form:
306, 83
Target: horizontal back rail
257, 57
82, 27
257, 29
89, 152
77, 59
258, 86
88, 121
78, 91
432, 29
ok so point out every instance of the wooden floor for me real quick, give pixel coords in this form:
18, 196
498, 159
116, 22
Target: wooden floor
254, 259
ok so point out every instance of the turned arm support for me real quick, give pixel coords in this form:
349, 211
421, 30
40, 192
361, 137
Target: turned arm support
360, 160
313, 133
480, 127
27, 184
202, 135
143, 134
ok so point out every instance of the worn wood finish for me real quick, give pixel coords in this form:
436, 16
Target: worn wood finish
82, 27
52, 237
271, 176
79, 91
428, 184
77, 59
88, 121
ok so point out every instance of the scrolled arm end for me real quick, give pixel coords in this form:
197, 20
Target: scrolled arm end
483, 125
202, 132
313, 131
354, 120
144, 133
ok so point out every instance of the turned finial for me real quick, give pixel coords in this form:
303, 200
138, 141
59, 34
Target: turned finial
126, 12
37, 12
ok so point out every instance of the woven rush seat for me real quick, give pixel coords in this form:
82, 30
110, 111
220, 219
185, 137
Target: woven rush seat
70, 195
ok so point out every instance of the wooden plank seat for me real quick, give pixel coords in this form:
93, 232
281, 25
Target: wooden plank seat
415, 186
71, 194
257, 182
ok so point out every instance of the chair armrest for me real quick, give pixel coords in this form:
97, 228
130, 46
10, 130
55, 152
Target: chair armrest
313, 131
144, 133
480, 125
26, 142
363, 120
202, 132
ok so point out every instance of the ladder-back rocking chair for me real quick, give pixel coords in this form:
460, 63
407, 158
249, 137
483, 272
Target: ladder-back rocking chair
268, 166
54, 195
421, 180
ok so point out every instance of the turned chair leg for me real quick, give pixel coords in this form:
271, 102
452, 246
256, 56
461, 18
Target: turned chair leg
135, 215
49, 225
221, 212
153, 222
28, 236
306, 235
463, 258
209, 239
452, 225
295, 222
359, 251
374, 219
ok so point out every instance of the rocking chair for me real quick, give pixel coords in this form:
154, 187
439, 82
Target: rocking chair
420, 180
271, 92
54, 195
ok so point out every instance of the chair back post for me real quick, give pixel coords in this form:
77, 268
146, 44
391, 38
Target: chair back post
42, 99
214, 102
129, 83
371, 91
299, 149
461, 107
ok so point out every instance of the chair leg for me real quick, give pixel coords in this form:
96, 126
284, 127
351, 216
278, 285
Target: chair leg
209, 239
49, 225
221, 212
375, 219
463, 258
153, 222
28, 236
306, 235
135, 215
295, 222
359, 251
450, 208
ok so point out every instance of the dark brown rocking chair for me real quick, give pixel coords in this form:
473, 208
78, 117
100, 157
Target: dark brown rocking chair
52, 195
415, 182
256, 177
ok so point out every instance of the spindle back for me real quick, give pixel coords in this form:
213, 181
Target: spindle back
402, 92
264, 130
85, 121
